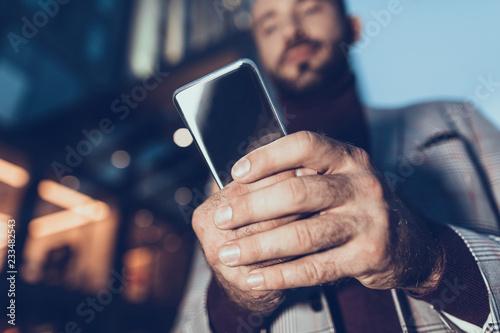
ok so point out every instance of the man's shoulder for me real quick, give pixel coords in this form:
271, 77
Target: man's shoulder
444, 110
419, 121
398, 130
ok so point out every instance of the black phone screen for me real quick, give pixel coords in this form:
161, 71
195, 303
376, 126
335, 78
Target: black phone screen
229, 116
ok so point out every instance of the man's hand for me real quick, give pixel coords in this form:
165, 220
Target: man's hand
355, 227
233, 279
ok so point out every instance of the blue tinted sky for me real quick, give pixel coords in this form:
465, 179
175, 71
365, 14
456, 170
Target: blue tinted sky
430, 50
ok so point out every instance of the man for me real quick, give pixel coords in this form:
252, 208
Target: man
311, 238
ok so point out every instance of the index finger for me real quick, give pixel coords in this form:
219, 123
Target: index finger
301, 149
235, 189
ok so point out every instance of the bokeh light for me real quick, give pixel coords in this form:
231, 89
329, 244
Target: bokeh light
120, 159
183, 196
183, 138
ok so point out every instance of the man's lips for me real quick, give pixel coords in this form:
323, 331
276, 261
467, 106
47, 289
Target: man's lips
299, 53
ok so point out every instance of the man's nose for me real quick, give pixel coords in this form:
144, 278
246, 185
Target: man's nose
291, 28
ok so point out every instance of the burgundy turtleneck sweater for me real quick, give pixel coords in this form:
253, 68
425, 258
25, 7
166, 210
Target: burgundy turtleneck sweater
334, 110
337, 112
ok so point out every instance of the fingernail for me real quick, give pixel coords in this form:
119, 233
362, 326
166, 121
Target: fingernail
255, 280
305, 172
241, 168
222, 216
229, 254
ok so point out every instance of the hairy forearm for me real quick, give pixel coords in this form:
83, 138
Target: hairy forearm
417, 251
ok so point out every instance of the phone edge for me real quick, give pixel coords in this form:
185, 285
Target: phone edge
209, 77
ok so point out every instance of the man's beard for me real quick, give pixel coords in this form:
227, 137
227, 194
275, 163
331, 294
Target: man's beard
325, 75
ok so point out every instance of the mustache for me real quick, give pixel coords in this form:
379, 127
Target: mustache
303, 41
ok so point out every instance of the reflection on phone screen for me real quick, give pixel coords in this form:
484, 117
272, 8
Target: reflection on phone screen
229, 117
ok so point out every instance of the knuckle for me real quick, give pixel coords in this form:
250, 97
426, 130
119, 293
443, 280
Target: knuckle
370, 281
234, 189
343, 150
298, 190
247, 204
373, 186
211, 253
285, 280
313, 272
306, 140
311, 137
197, 220
375, 252
360, 156
255, 249
303, 235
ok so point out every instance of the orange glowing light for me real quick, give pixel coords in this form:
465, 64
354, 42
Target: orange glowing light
11, 330
55, 223
138, 257
80, 210
13, 175
3, 230
95, 211
61, 195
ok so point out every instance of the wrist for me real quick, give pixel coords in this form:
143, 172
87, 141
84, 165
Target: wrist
251, 301
419, 255
432, 280
461, 290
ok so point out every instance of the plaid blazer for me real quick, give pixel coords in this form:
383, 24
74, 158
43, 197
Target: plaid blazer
443, 159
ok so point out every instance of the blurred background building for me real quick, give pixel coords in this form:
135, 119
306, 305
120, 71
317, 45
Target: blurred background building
95, 165
97, 168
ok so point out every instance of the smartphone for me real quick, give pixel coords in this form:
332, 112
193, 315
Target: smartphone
229, 113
